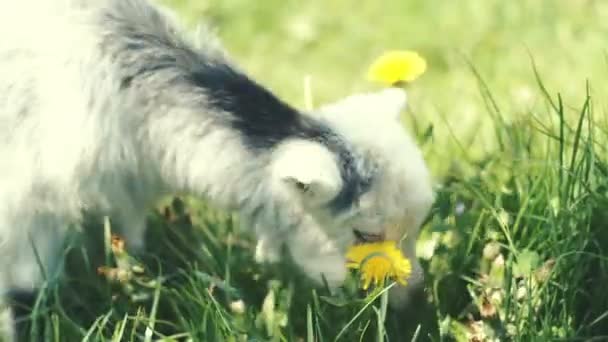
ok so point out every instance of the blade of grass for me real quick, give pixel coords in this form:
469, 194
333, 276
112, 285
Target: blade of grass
153, 312
360, 312
310, 333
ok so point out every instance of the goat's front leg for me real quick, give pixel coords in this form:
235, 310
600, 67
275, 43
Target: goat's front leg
317, 256
7, 324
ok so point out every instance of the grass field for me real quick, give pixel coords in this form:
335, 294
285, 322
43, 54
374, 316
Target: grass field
512, 119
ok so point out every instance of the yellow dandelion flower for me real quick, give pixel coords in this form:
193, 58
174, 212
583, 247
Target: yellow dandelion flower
377, 261
396, 67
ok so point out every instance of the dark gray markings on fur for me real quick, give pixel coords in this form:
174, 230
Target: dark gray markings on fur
264, 121
261, 117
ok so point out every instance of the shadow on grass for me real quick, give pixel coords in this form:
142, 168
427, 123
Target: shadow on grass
209, 289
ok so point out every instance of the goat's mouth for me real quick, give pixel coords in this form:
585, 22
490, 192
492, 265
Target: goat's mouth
362, 237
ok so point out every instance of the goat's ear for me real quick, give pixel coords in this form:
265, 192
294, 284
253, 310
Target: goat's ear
307, 169
387, 103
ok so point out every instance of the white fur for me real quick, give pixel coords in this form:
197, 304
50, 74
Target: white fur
7, 330
311, 164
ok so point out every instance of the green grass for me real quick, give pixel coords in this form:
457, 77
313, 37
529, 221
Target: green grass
511, 116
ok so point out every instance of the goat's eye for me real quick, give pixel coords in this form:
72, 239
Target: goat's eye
302, 186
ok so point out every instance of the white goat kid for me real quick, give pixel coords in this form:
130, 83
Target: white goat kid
108, 105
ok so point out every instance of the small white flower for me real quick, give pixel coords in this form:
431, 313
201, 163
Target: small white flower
238, 306
459, 208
